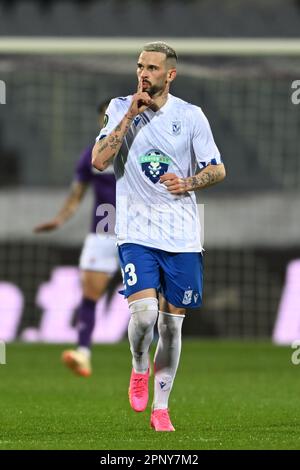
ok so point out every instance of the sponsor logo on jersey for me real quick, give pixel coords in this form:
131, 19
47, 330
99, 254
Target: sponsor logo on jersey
187, 298
162, 384
176, 127
154, 164
196, 297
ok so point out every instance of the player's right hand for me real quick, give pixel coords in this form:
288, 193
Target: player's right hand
141, 100
47, 226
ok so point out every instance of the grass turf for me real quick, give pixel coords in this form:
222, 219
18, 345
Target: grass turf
227, 395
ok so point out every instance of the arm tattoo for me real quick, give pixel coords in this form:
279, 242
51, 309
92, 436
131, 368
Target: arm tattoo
114, 140
103, 147
204, 179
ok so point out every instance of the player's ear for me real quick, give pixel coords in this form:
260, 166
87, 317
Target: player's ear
171, 75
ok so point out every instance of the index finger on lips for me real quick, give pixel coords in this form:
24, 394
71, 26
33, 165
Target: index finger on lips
140, 86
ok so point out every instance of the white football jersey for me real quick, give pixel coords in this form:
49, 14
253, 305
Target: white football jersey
174, 139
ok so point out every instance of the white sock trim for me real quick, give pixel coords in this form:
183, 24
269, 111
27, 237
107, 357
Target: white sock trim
172, 314
148, 303
85, 351
144, 298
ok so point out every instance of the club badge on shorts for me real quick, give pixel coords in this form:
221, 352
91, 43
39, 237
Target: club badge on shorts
187, 298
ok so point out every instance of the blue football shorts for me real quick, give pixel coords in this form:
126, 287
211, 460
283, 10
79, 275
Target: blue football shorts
178, 276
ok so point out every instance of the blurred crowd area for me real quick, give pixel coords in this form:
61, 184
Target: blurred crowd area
212, 18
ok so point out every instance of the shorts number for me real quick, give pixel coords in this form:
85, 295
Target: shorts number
130, 269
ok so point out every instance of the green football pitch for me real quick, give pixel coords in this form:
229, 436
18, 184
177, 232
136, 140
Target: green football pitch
227, 395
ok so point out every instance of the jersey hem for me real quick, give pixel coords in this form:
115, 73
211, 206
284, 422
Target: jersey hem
169, 250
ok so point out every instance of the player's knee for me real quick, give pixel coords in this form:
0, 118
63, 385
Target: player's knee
168, 326
167, 330
90, 293
144, 311
162, 329
92, 289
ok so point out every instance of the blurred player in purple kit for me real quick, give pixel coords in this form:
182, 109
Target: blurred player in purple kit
98, 260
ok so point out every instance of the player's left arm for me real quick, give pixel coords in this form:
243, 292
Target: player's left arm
210, 175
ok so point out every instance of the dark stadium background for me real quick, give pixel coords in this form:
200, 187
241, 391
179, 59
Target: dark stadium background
50, 117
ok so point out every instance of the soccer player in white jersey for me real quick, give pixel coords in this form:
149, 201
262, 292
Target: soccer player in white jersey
156, 141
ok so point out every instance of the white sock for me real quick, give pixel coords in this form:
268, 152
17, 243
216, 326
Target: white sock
166, 357
140, 331
85, 351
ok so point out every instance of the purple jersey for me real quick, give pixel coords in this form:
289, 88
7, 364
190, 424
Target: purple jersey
104, 183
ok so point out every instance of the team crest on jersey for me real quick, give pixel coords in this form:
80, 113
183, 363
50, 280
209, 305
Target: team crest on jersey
176, 127
187, 298
154, 164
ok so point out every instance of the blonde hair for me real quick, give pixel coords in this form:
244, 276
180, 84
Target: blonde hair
160, 46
